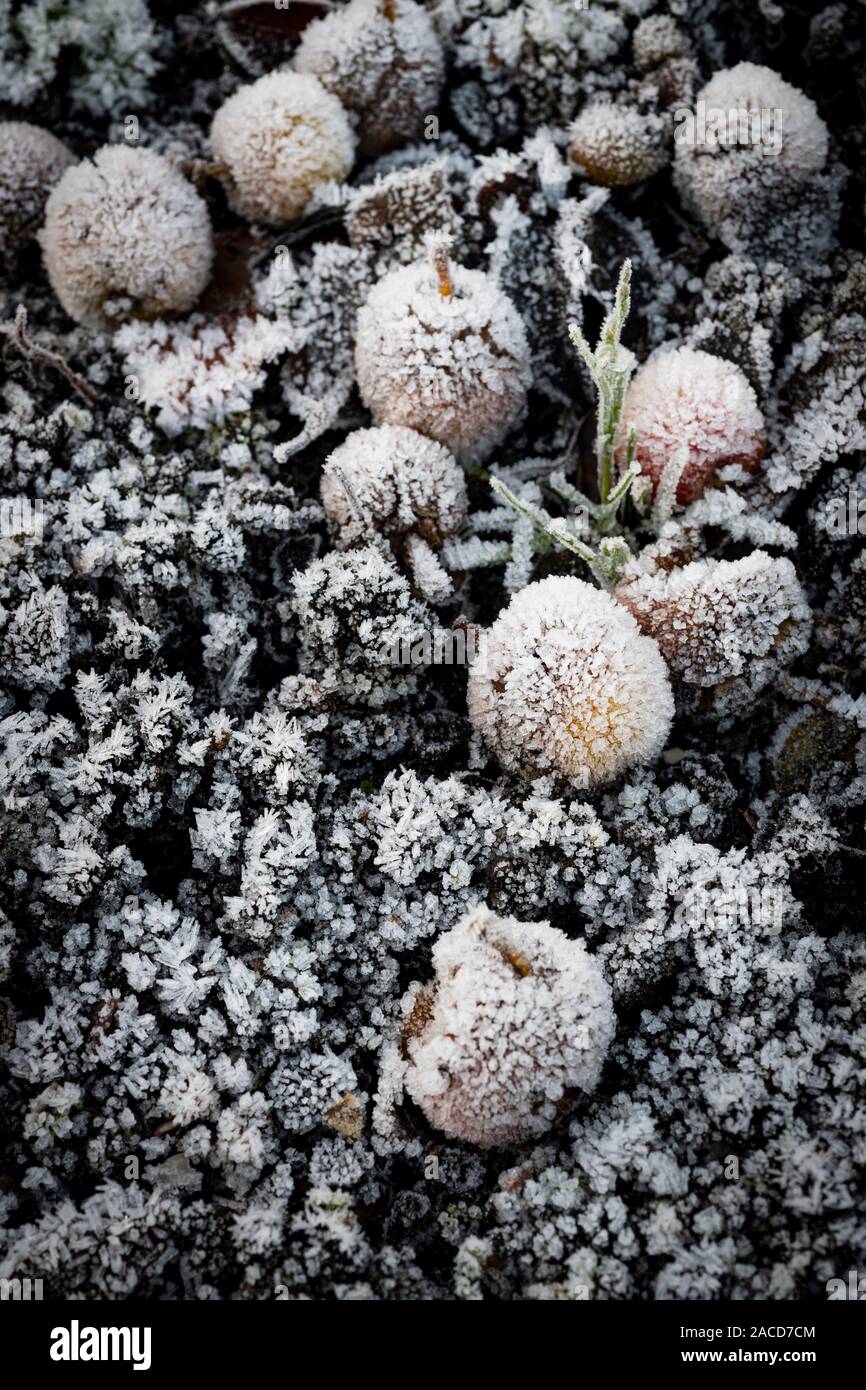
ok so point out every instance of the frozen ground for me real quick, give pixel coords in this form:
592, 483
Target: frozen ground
247, 1054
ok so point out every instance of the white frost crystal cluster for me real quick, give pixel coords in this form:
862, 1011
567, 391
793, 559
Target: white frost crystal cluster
125, 234
723, 626
279, 139
689, 406
396, 481
384, 60
109, 44
31, 162
441, 349
514, 1027
202, 371
356, 610
570, 686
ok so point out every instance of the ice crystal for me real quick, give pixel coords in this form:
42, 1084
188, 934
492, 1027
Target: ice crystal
201, 372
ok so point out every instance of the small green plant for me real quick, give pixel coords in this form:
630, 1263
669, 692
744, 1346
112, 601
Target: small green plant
610, 366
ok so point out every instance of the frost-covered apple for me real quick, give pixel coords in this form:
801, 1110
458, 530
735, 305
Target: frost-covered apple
754, 137
31, 162
279, 138
441, 349
393, 480
125, 235
685, 399
726, 627
515, 1024
618, 145
384, 60
570, 686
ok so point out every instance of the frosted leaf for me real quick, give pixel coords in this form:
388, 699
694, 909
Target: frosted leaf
124, 232
569, 687
728, 627
384, 61
441, 349
686, 399
391, 217
516, 1022
280, 138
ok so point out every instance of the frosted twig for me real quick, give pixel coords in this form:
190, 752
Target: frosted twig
16, 334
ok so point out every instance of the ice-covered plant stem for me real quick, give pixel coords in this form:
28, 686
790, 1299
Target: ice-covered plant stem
610, 366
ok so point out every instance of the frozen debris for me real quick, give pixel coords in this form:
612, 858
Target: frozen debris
36, 637
383, 59
110, 43
519, 197
201, 372
727, 627
514, 1026
125, 233
31, 162
393, 481
279, 139
391, 217
690, 408
442, 350
750, 164
617, 146
570, 686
